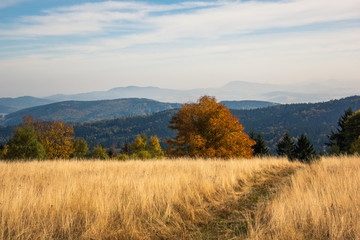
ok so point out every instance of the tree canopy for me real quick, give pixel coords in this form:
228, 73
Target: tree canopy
208, 129
25, 145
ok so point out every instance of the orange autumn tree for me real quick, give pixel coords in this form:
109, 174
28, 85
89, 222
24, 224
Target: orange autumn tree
56, 137
208, 129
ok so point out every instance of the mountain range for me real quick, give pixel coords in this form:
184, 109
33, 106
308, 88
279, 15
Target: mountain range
90, 111
238, 90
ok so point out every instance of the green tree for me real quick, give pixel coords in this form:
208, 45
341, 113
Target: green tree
99, 152
260, 148
81, 149
286, 146
336, 138
304, 150
25, 145
111, 153
351, 130
208, 129
355, 146
56, 137
3, 150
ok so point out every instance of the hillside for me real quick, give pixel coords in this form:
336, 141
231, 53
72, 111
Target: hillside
246, 105
90, 111
9, 105
315, 119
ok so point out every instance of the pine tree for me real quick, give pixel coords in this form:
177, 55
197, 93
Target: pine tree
260, 148
286, 146
336, 138
351, 131
304, 150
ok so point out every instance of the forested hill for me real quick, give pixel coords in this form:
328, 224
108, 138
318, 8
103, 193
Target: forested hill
316, 120
90, 111
9, 105
245, 105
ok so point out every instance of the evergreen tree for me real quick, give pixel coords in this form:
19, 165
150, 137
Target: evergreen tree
351, 131
111, 153
336, 138
25, 145
260, 148
304, 150
286, 146
126, 149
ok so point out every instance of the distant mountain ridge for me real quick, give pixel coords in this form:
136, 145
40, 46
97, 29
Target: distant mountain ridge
90, 111
237, 90
8, 105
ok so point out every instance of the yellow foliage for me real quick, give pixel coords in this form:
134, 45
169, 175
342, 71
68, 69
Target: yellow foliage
56, 137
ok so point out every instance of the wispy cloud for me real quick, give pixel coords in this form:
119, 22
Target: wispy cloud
148, 23
188, 44
8, 3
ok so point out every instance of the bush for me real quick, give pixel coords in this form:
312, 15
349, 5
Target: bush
25, 145
99, 152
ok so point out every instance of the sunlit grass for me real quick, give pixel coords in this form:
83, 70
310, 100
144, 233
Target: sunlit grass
123, 200
322, 202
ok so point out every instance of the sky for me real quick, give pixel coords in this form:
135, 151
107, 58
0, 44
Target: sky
62, 46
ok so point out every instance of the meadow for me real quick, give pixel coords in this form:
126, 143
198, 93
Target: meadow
322, 201
180, 199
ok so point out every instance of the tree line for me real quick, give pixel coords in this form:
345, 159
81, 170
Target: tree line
204, 129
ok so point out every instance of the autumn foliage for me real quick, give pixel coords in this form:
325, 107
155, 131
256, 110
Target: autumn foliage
208, 129
56, 137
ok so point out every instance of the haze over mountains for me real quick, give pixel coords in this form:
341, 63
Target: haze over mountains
238, 90
291, 93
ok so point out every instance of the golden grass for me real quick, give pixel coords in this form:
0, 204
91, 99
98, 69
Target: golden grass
119, 200
322, 202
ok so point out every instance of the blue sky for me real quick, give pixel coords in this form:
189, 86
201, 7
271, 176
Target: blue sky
63, 46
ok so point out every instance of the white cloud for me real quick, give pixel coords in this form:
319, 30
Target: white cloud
203, 44
215, 20
8, 3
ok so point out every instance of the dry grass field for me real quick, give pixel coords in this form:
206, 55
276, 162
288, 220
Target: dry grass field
321, 202
180, 199
161, 199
